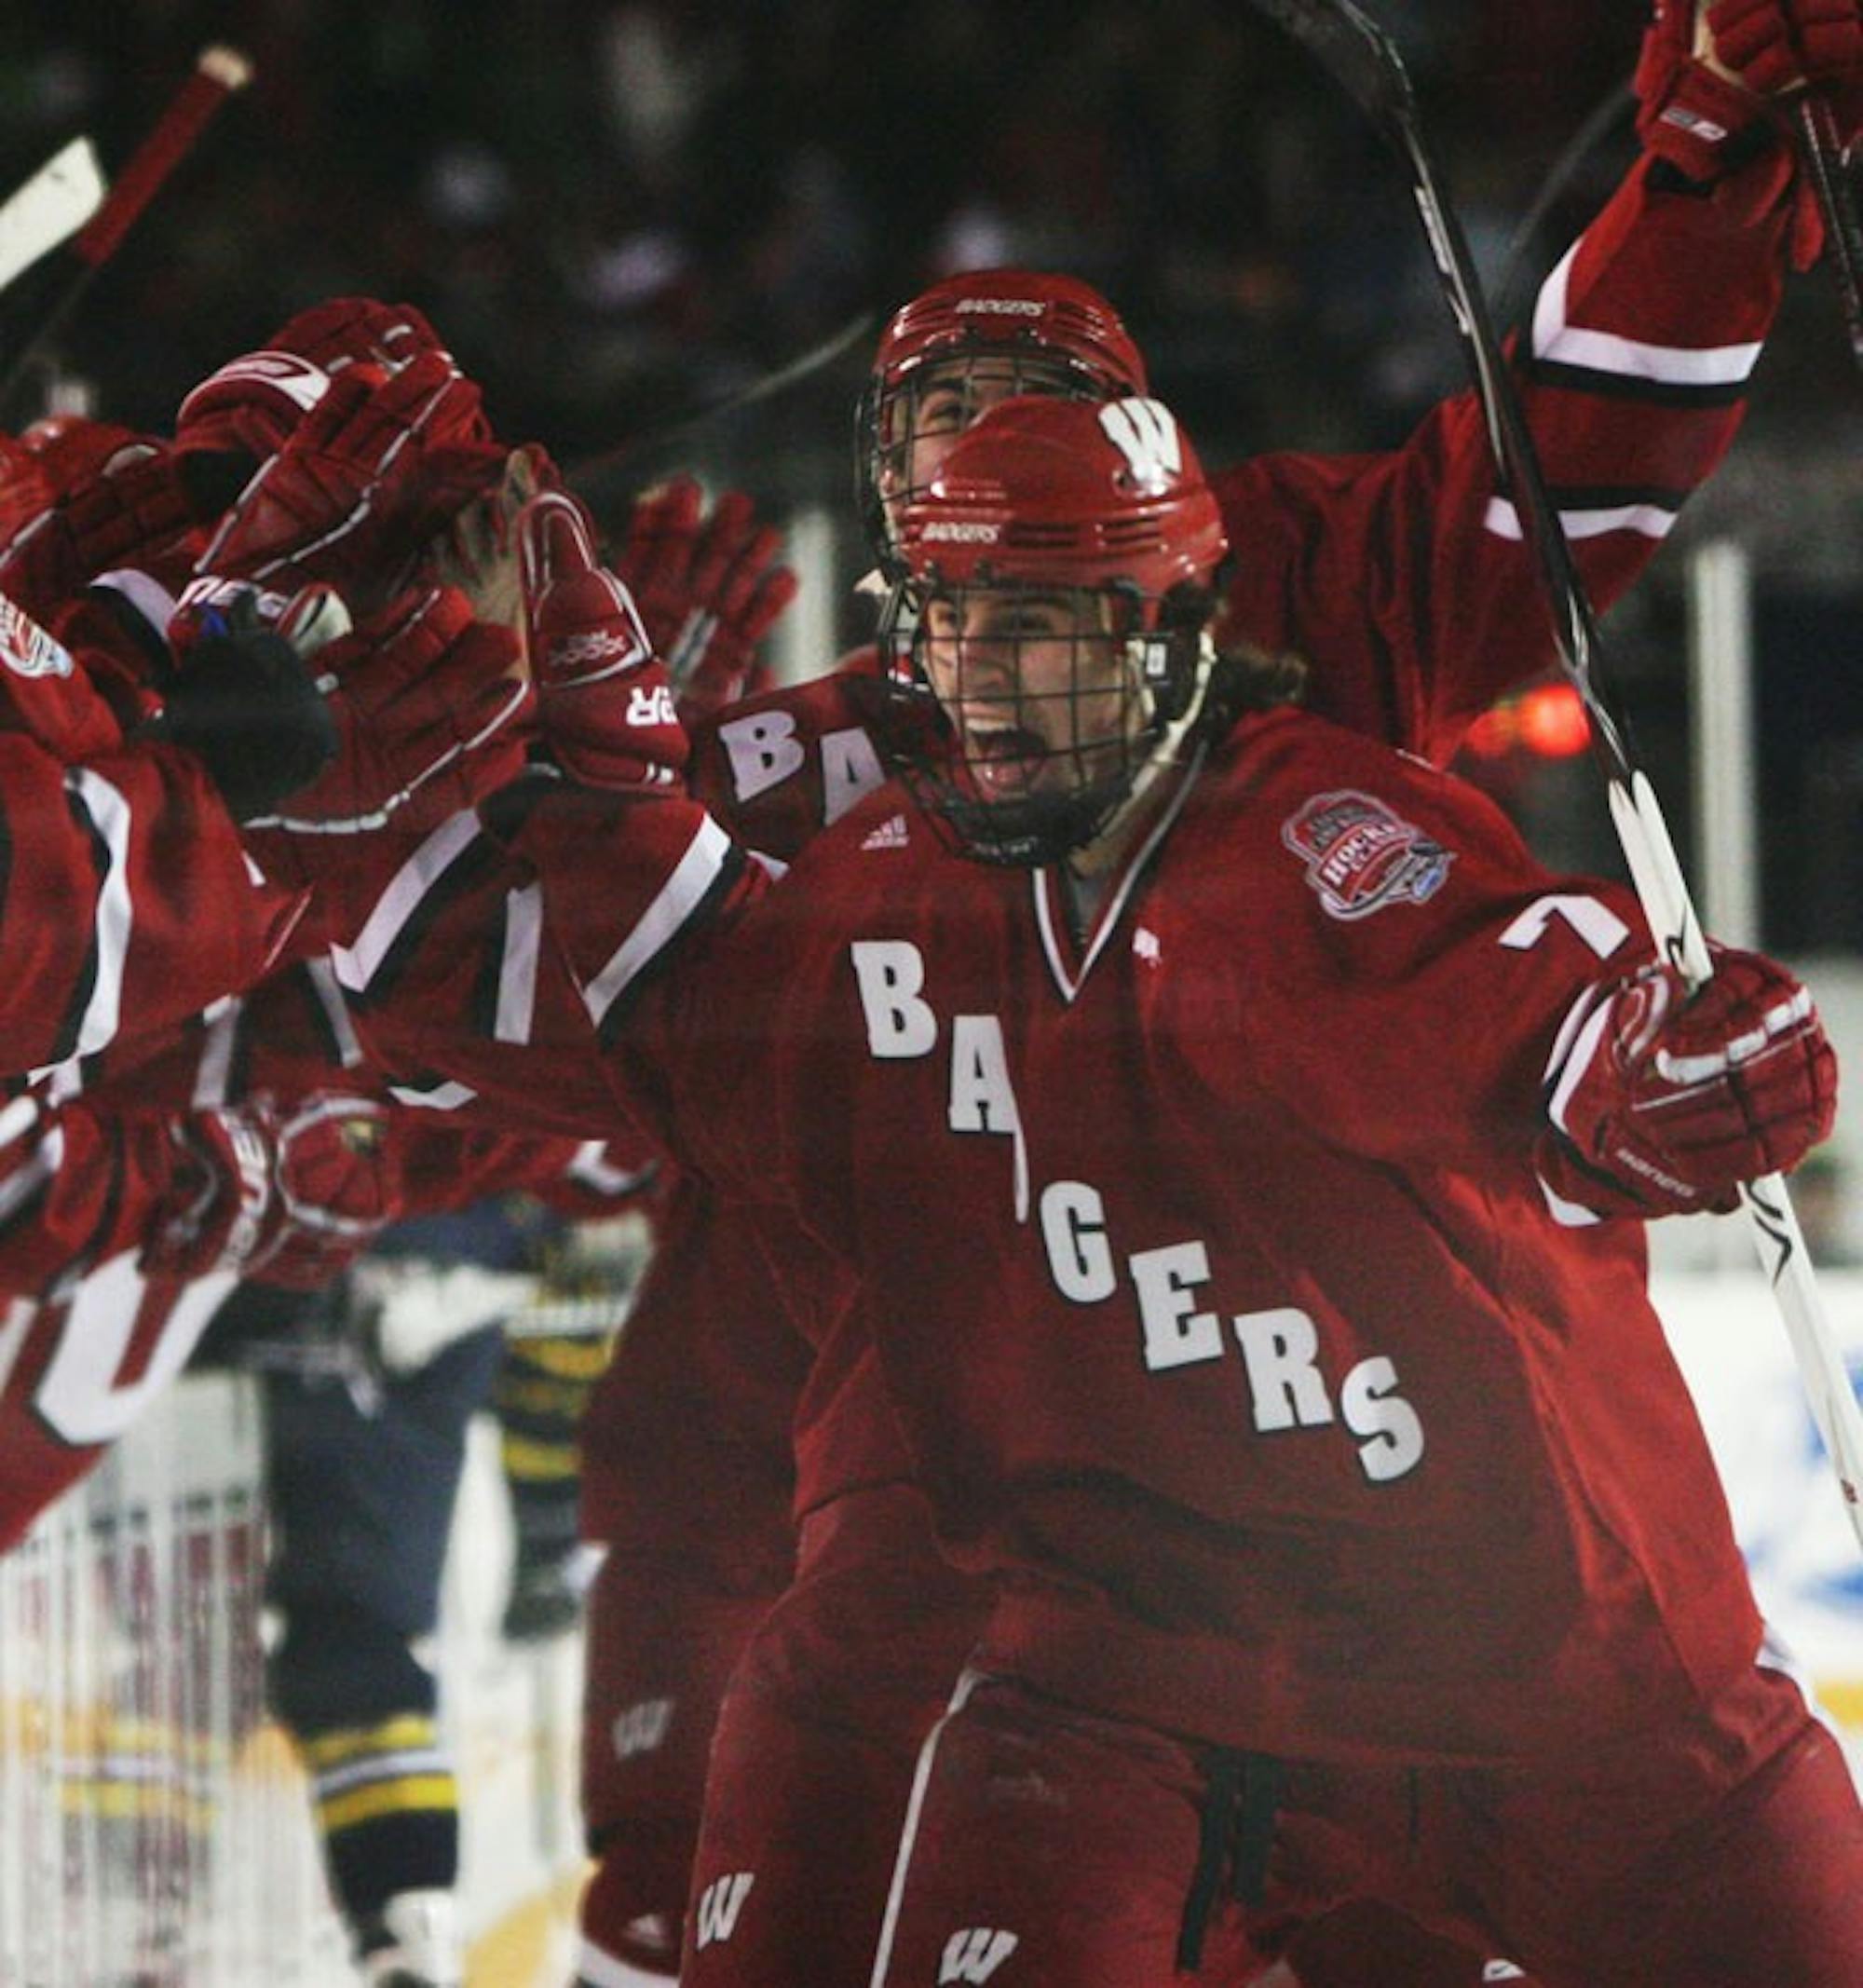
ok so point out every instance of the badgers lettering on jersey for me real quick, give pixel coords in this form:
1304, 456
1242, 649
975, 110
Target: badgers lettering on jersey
764, 751
1279, 1347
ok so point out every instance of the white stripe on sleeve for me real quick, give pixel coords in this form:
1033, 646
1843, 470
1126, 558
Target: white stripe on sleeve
681, 895
517, 969
356, 965
1558, 341
1651, 520
115, 914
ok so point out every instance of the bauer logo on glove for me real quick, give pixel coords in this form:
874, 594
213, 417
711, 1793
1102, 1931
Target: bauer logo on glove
604, 701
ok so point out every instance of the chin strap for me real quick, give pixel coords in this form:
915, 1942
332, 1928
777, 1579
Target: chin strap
1170, 741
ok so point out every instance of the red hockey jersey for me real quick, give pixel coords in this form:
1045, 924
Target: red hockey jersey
1401, 578
126, 898
1212, 1282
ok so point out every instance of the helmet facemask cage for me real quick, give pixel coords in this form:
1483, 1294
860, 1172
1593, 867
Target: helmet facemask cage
931, 401
974, 339
1040, 712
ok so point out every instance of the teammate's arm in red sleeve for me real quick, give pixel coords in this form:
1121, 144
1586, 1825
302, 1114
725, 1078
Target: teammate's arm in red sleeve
126, 899
504, 968
1436, 999
1405, 578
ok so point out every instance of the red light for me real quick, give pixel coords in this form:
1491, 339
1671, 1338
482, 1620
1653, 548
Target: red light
1493, 734
1551, 722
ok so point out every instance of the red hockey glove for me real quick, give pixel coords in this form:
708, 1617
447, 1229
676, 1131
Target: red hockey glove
290, 1199
1664, 1104
1708, 106
429, 708
1775, 46
252, 405
243, 698
379, 463
708, 589
127, 506
1689, 114
336, 1184
605, 704
218, 1194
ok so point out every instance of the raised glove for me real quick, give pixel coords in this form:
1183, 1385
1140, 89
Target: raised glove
1707, 100
250, 407
121, 503
708, 589
604, 705
428, 707
1774, 46
379, 465
1664, 1103
243, 701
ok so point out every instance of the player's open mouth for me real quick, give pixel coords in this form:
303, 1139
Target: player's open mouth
1004, 758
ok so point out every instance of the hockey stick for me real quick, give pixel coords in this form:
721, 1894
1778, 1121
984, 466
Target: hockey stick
1364, 59
1600, 123
50, 208
34, 312
1830, 179
863, 325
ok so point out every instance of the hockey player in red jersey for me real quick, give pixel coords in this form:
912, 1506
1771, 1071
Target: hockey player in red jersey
1432, 1510
139, 746
1634, 369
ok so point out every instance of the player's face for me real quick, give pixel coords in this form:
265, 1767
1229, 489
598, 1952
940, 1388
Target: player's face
943, 403
1034, 686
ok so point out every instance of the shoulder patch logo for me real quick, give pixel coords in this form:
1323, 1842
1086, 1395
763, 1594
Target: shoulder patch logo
26, 648
1362, 856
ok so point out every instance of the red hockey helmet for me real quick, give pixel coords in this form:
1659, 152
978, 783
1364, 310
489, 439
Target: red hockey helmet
960, 347
1059, 575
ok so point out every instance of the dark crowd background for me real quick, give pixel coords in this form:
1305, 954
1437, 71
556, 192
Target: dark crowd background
621, 214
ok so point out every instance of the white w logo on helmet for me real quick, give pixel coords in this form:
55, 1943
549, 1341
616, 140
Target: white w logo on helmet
1145, 432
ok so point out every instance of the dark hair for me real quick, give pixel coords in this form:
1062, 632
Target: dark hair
1246, 677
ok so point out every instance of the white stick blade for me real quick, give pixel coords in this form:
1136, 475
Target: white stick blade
59, 198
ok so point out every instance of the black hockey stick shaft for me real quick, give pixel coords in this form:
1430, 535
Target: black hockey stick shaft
686, 421
1836, 191
1364, 59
